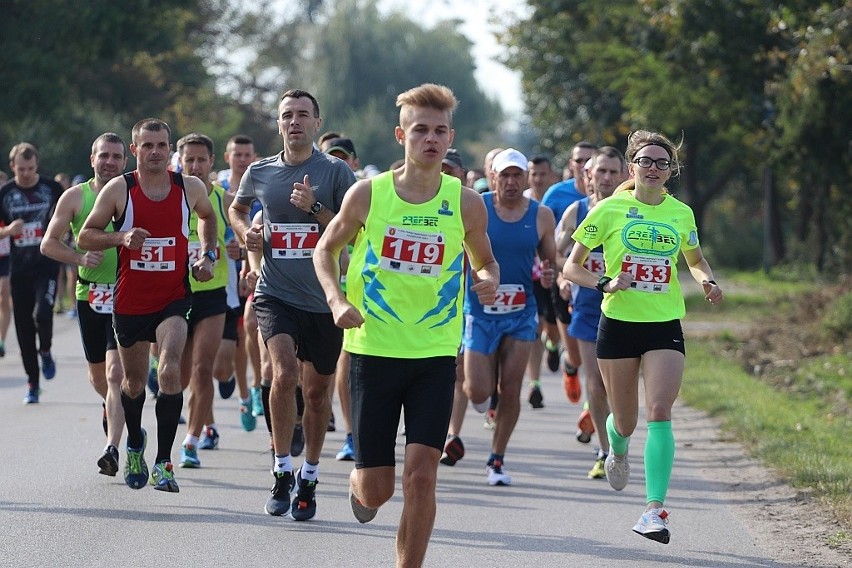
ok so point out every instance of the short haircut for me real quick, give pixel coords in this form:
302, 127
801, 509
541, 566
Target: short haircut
237, 139
427, 95
151, 125
109, 138
610, 152
23, 149
195, 138
539, 159
298, 94
585, 144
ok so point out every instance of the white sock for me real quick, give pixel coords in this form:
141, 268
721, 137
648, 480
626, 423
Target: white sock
283, 463
190, 440
309, 471
212, 425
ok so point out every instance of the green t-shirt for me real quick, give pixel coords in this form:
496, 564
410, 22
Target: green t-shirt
644, 240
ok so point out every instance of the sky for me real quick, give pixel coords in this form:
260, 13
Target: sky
495, 79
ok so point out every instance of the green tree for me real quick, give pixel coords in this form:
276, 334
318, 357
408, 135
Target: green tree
365, 59
681, 67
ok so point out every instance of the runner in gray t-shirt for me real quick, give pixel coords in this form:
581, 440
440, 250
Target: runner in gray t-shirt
300, 190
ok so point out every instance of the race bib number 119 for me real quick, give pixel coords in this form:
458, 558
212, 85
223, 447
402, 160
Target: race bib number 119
412, 252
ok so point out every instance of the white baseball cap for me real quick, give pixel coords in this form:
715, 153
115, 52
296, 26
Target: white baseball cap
508, 158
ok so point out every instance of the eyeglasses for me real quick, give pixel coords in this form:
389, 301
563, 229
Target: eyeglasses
645, 162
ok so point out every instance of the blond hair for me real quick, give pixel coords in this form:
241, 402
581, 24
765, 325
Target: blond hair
427, 95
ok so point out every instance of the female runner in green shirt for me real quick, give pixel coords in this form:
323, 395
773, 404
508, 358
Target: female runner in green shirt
642, 229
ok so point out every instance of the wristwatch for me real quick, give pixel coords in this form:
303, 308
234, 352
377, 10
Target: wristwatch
316, 208
604, 280
211, 256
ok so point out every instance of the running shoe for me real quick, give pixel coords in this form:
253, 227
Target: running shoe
304, 505
362, 513
654, 525
453, 450
108, 462
32, 396
248, 419
598, 470
278, 503
536, 399
490, 419
256, 402
332, 427
135, 468
2, 349
571, 382
163, 477
226, 388
189, 456
104, 420
617, 471
153, 380
585, 426
209, 439
552, 356
347, 452
297, 444
496, 475
48, 365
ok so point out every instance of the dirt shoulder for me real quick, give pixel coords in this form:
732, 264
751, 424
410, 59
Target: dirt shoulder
793, 528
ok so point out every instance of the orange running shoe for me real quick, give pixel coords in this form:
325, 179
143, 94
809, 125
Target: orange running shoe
571, 382
585, 427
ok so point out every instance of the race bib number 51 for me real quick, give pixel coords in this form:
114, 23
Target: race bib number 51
157, 254
293, 240
412, 252
650, 273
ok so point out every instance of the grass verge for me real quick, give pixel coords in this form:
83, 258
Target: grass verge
796, 417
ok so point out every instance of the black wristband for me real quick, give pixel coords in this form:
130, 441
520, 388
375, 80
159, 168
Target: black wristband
604, 280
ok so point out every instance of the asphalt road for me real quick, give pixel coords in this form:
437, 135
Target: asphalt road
56, 510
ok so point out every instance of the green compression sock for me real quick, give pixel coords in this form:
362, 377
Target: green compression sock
617, 443
659, 457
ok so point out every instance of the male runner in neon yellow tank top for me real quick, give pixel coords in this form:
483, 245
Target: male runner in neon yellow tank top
402, 310
209, 305
95, 284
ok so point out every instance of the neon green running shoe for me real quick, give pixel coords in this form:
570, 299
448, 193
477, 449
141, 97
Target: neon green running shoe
163, 477
598, 471
135, 468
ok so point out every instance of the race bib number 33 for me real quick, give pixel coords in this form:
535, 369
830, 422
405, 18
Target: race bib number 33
412, 252
293, 240
156, 255
650, 274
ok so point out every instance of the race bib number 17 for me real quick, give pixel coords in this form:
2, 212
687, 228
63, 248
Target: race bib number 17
293, 240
